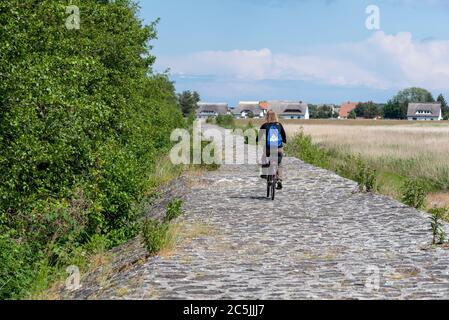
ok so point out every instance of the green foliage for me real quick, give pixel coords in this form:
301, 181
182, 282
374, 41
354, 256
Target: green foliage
368, 110
208, 166
251, 133
365, 176
413, 95
302, 147
352, 115
439, 235
393, 110
323, 112
226, 121
83, 121
190, 119
16, 266
414, 193
444, 106
174, 210
155, 234
188, 101
351, 167
397, 107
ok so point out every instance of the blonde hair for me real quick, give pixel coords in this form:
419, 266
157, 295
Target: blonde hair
272, 117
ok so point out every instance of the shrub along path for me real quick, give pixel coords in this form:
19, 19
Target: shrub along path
320, 239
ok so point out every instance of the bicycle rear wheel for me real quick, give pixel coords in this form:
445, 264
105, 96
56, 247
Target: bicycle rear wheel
273, 189
268, 186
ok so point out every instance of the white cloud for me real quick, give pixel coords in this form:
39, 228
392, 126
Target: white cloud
381, 62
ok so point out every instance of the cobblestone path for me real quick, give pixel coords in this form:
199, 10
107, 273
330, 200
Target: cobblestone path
320, 239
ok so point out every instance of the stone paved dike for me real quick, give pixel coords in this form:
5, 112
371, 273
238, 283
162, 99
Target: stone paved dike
320, 239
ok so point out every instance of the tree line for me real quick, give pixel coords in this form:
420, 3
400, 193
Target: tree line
395, 108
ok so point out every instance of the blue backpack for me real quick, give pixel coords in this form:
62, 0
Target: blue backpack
274, 138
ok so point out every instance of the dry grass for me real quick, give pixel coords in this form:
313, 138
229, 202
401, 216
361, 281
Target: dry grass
317, 122
439, 200
397, 149
96, 260
420, 150
181, 232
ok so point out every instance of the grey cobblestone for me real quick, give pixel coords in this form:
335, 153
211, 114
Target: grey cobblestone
320, 239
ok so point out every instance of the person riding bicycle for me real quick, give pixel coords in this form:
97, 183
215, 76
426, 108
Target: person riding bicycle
275, 139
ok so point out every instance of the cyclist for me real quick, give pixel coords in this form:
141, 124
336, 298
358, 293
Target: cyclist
275, 138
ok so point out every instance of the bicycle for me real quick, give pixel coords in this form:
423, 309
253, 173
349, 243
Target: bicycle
272, 179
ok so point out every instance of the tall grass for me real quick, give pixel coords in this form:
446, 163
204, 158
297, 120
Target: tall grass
407, 159
418, 151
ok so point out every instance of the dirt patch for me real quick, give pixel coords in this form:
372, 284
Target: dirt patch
439, 200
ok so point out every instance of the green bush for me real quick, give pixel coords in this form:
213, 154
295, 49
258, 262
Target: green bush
82, 124
414, 193
203, 165
226, 121
365, 176
250, 127
208, 166
439, 235
17, 270
351, 167
174, 210
371, 184
301, 146
155, 235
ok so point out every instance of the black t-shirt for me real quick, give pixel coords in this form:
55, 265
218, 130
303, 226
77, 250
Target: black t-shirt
265, 127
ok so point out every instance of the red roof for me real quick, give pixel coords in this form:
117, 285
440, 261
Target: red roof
264, 105
346, 108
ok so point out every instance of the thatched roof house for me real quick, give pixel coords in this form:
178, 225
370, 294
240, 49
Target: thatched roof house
290, 109
425, 112
249, 109
206, 110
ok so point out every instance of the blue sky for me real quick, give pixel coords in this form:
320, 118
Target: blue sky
318, 51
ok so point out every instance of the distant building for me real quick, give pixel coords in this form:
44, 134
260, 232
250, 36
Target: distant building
290, 109
250, 109
346, 108
425, 112
206, 110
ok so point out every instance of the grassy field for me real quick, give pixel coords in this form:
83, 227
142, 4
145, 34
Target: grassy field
347, 122
398, 150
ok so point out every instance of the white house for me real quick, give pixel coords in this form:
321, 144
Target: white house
206, 110
290, 109
425, 112
249, 109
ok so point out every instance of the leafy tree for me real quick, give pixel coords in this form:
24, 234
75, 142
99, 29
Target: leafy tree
444, 106
323, 112
313, 110
393, 110
368, 110
188, 102
360, 110
352, 115
397, 107
83, 120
